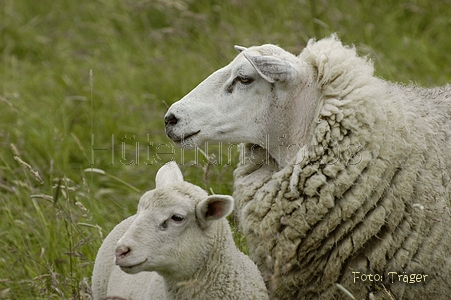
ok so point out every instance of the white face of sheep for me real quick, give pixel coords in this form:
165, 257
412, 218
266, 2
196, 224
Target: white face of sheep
263, 96
170, 232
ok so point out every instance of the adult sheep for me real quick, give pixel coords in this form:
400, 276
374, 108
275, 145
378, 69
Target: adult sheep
181, 233
344, 177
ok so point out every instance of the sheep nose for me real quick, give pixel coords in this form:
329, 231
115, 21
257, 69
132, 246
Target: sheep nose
170, 119
121, 252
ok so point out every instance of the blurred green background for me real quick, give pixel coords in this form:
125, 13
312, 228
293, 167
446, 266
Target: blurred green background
86, 84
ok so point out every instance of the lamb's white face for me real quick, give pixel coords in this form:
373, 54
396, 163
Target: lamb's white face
242, 102
155, 239
169, 232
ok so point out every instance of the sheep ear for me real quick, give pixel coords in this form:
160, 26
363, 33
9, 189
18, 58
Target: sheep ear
213, 208
168, 174
272, 68
239, 48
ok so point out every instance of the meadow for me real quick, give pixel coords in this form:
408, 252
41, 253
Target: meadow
85, 86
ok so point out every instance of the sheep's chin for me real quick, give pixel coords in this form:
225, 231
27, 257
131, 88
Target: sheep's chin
185, 139
133, 269
189, 143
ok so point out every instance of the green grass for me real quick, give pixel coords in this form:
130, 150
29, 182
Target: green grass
78, 75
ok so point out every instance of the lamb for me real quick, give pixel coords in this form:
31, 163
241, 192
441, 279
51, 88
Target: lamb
182, 234
344, 177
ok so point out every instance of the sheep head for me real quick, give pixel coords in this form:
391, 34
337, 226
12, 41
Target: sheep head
265, 94
172, 230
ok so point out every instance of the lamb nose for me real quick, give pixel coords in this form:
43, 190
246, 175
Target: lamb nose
170, 119
122, 251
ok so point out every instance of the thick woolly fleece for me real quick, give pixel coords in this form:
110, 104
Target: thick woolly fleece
369, 195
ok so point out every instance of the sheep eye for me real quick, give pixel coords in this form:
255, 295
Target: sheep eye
177, 218
243, 80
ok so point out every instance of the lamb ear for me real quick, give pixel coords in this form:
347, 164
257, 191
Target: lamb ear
213, 208
239, 48
168, 174
272, 68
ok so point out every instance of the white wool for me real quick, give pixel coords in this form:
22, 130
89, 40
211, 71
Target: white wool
362, 182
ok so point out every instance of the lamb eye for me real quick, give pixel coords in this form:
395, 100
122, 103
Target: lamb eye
177, 218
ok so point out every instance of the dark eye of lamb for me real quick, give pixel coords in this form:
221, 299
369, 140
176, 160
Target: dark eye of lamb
177, 218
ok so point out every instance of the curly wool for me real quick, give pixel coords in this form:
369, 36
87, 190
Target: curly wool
369, 193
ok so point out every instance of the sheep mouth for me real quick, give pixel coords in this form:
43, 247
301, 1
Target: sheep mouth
184, 137
129, 267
